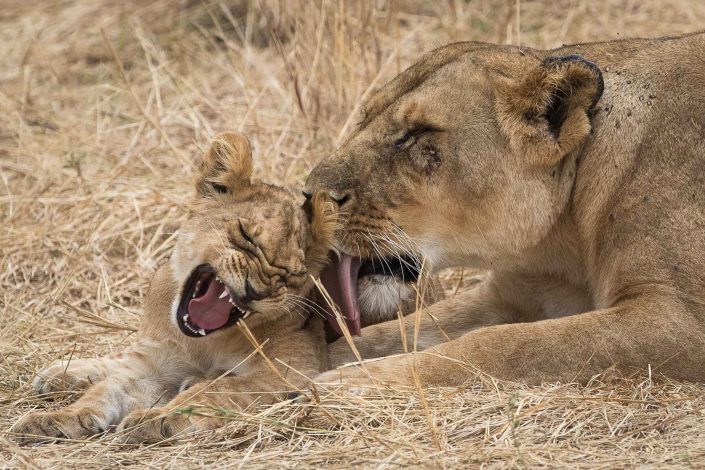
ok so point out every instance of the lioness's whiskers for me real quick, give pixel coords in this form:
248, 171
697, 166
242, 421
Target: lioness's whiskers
378, 250
395, 248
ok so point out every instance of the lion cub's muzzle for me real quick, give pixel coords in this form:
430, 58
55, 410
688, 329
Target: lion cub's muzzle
207, 304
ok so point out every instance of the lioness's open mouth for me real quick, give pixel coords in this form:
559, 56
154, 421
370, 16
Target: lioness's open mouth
207, 304
340, 280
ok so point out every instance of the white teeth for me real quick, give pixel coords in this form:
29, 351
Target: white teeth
247, 314
225, 293
232, 302
188, 325
201, 332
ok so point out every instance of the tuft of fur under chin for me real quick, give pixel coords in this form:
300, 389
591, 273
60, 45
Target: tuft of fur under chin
380, 297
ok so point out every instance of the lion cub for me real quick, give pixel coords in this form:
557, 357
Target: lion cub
236, 293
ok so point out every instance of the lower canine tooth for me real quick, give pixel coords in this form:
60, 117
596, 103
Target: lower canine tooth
202, 332
185, 318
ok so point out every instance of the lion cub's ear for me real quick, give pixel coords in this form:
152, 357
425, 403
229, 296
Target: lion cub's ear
546, 114
227, 165
323, 214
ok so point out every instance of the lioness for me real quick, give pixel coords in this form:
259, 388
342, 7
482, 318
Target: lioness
575, 176
245, 258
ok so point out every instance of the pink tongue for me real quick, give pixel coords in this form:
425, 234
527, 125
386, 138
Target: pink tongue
340, 280
208, 311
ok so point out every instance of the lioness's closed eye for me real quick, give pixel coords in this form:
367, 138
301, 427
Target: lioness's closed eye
241, 271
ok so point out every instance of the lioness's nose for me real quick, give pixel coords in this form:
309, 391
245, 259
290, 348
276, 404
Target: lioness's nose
339, 197
333, 176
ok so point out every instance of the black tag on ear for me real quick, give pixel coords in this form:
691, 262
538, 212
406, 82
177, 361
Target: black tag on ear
558, 60
557, 110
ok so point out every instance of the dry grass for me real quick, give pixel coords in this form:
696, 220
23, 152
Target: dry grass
96, 165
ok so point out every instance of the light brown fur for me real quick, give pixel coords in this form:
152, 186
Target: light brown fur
141, 389
585, 206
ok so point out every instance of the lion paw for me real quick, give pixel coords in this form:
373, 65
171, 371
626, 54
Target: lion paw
57, 377
42, 427
155, 425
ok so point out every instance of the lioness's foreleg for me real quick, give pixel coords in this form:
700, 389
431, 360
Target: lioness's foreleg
443, 321
641, 332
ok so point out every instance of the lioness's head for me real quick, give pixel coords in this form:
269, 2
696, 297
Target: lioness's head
467, 157
249, 248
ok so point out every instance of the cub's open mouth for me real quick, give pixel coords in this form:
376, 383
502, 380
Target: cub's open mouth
340, 280
207, 304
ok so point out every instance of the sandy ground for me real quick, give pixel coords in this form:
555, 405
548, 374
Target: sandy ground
97, 154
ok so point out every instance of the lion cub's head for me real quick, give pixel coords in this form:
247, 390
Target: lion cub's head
249, 249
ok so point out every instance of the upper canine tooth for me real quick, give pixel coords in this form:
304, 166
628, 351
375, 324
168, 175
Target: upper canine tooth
225, 293
247, 314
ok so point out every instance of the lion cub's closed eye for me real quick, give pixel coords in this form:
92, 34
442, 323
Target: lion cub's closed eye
240, 273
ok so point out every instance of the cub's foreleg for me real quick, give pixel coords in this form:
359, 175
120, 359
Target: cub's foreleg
73, 374
207, 405
210, 404
145, 377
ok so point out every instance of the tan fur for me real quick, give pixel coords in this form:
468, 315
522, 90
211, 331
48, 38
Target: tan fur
586, 207
164, 371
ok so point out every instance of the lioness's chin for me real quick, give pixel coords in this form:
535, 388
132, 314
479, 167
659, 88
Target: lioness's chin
381, 296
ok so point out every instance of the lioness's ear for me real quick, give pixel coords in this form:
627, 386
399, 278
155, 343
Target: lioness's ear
323, 215
227, 165
546, 113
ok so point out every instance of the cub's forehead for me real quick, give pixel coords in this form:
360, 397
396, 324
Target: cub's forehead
269, 213
281, 220
282, 216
